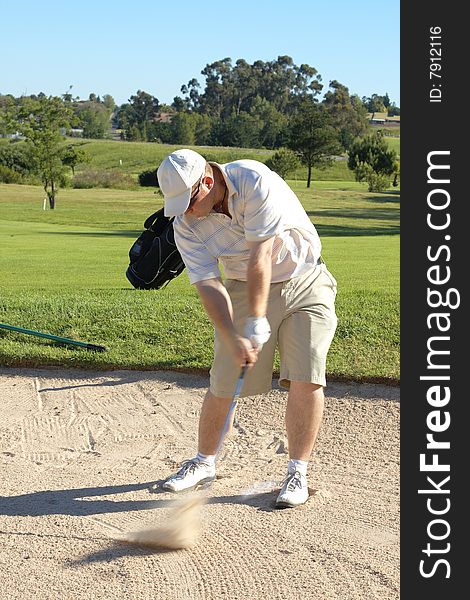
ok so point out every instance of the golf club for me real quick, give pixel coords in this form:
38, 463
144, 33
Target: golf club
232, 408
55, 338
183, 525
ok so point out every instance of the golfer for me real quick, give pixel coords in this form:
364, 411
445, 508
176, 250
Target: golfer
277, 292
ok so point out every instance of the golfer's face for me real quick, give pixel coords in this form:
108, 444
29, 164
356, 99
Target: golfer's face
198, 205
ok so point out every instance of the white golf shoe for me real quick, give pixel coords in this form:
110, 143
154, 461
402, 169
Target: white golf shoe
193, 473
294, 491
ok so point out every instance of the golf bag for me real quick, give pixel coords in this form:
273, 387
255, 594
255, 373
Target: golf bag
154, 257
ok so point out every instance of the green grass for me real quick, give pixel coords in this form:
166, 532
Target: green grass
62, 272
394, 143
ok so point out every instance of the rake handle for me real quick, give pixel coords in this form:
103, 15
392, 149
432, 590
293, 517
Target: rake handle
56, 338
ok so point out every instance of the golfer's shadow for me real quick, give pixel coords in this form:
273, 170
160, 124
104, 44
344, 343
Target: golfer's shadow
77, 502
85, 502
123, 378
117, 549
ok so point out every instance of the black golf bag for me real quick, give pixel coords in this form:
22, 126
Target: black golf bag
154, 257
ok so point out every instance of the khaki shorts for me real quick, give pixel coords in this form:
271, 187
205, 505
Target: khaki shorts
302, 316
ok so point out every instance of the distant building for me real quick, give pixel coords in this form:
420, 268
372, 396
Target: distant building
76, 132
381, 118
377, 118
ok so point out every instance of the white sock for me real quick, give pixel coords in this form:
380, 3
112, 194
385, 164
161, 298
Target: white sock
208, 459
297, 465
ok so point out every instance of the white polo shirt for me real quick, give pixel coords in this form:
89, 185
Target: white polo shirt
262, 205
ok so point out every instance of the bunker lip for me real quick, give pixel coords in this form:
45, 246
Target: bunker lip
25, 363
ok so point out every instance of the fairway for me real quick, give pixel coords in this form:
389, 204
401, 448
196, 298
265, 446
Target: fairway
62, 272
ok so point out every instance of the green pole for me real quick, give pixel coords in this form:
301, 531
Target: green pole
56, 338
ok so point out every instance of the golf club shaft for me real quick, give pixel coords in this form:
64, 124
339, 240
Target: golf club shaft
232, 407
56, 338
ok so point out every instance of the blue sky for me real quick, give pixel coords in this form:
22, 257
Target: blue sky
119, 47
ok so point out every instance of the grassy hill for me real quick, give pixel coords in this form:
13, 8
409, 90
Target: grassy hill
131, 158
134, 157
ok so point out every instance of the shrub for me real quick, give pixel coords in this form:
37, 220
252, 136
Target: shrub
378, 182
148, 178
284, 162
8, 175
373, 151
103, 179
16, 158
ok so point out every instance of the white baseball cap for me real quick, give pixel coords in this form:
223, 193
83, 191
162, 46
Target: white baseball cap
177, 174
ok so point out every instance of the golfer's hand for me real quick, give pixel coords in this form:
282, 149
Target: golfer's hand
243, 351
258, 331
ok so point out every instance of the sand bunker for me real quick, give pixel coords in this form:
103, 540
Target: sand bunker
80, 455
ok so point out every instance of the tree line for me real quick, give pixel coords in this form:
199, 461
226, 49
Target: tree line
241, 104
246, 105
272, 105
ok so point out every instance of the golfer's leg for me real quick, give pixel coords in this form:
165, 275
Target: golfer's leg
304, 415
211, 422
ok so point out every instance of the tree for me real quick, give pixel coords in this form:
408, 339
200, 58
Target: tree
178, 104
108, 101
191, 100
67, 97
145, 108
94, 118
183, 126
244, 86
73, 155
284, 162
373, 161
285, 84
17, 157
160, 131
273, 123
216, 95
348, 114
238, 130
232, 90
7, 107
203, 130
42, 122
137, 116
375, 103
312, 136
393, 110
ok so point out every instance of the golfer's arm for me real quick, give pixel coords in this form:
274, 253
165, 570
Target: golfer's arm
259, 276
218, 305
